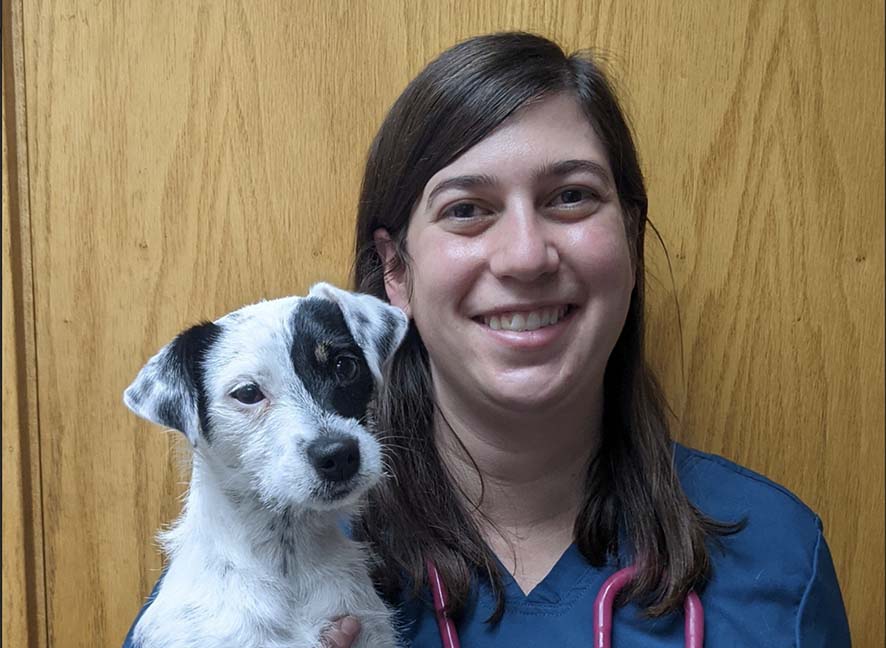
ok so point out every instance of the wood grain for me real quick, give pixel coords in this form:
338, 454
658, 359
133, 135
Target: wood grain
187, 158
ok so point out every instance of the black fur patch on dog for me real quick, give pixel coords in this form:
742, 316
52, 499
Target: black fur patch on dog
318, 321
185, 362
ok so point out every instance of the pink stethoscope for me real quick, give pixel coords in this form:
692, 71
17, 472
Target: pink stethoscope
693, 625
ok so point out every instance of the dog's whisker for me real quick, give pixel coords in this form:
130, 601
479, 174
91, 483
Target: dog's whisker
398, 447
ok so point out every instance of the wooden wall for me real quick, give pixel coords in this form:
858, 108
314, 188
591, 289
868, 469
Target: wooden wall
169, 161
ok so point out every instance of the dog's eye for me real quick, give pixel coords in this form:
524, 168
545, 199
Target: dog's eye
248, 394
346, 369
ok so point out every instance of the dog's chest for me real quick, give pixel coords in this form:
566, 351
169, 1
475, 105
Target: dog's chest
245, 612
257, 604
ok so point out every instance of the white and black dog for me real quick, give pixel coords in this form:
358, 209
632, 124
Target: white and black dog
273, 398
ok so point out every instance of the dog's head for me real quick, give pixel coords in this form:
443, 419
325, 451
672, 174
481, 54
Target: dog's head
275, 395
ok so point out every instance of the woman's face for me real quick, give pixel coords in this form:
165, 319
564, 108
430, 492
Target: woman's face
520, 268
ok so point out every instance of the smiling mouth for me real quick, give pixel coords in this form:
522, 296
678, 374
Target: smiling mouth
521, 321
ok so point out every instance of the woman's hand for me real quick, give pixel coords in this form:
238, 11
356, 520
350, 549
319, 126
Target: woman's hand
342, 633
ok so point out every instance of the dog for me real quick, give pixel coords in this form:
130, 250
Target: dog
273, 398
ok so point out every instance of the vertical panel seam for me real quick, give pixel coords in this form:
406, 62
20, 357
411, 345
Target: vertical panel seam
24, 314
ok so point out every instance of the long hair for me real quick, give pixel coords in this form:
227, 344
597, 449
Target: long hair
632, 498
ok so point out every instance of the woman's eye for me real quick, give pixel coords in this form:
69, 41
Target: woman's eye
463, 211
346, 369
570, 197
248, 394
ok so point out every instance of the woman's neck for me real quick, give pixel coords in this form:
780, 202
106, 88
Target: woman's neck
533, 467
533, 475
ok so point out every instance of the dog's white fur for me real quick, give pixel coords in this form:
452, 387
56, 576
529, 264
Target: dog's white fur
258, 558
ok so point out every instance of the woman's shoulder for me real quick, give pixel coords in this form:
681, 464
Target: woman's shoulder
728, 492
780, 538
778, 565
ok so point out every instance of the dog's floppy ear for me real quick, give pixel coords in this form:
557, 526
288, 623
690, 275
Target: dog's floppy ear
375, 325
168, 390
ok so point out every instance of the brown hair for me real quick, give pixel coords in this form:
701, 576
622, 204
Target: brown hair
632, 493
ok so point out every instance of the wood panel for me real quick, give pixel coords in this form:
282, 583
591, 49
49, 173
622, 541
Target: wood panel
768, 188
196, 156
24, 618
186, 158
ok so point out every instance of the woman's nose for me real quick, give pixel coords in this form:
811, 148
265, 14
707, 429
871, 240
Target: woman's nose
523, 247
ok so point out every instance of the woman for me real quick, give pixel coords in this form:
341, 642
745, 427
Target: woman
503, 209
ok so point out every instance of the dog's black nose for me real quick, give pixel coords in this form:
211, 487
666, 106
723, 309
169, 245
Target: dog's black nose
335, 460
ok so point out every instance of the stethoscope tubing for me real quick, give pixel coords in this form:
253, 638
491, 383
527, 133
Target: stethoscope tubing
693, 625
445, 624
603, 606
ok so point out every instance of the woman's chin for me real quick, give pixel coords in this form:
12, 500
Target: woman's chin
530, 395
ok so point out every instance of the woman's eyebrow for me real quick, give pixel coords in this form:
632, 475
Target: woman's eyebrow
461, 182
562, 168
565, 167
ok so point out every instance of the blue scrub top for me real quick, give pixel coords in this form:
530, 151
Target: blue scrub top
772, 584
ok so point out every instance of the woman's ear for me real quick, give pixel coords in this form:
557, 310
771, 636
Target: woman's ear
395, 271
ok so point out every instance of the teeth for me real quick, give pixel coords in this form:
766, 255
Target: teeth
530, 321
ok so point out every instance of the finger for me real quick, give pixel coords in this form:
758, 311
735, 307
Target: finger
342, 633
